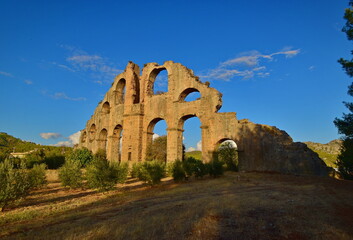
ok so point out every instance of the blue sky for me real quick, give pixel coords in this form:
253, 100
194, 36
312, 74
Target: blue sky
274, 61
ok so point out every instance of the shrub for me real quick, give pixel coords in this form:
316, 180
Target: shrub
36, 176
178, 171
189, 166
14, 183
228, 154
104, 175
70, 174
83, 156
215, 168
54, 161
200, 169
169, 169
135, 169
152, 172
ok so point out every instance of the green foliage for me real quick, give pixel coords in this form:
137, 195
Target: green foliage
84, 156
14, 183
200, 169
345, 124
37, 157
135, 169
345, 160
152, 172
70, 174
104, 175
178, 171
54, 161
157, 150
215, 168
36, 176
228, 154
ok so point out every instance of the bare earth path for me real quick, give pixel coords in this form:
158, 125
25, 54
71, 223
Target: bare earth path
235, 206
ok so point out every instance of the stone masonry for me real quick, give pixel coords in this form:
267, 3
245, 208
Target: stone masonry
130, 110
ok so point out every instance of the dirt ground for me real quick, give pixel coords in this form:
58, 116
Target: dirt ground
235, 206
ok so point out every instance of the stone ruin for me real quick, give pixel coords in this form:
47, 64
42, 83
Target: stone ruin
130, 110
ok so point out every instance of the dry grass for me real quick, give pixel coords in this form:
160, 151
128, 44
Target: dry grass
236, 206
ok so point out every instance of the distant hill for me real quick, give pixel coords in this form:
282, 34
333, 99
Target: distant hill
194, 154
9, 144
328, 152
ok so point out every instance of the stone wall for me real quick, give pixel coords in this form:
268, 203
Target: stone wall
130, 110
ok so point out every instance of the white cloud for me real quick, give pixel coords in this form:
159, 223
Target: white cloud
155, 135
75, 138
190, 149
97, 67
72, 140
28, 82
50, 135
248, 65
6, 74
61, 95
199, 146
311, 68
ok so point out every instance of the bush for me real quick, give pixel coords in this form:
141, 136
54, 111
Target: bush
215, 168
84, 156
228, 154
152, 172
70, 174
36, 176
135, 169
189, 166
200, 169
14, 183
104, 175
178, 171
54, 161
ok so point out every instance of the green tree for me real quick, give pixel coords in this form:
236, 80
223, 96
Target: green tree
345, 124
228, 154
83, 156
157, 150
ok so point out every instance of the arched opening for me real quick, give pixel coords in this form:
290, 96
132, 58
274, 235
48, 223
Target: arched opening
106, 108
157, 142
83, 136
92, 132
103, 136
117, 139
192, 136
158, 82
227, 152
120, 91
190, 94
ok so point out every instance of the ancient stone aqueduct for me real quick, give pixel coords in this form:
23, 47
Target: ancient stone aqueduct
130, 111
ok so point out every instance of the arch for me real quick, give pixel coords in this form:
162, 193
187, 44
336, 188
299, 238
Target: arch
106, 108
226, 150
103, 137
92, 132
116, 143
190, 126
153, 123
156, 145
120, 91
188, 96
83, 136
154, 78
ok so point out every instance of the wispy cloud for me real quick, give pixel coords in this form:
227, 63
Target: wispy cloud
101, 69
50, 135
6, 74
62, 95
71, 140
247, 65
311, 68
28, 82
